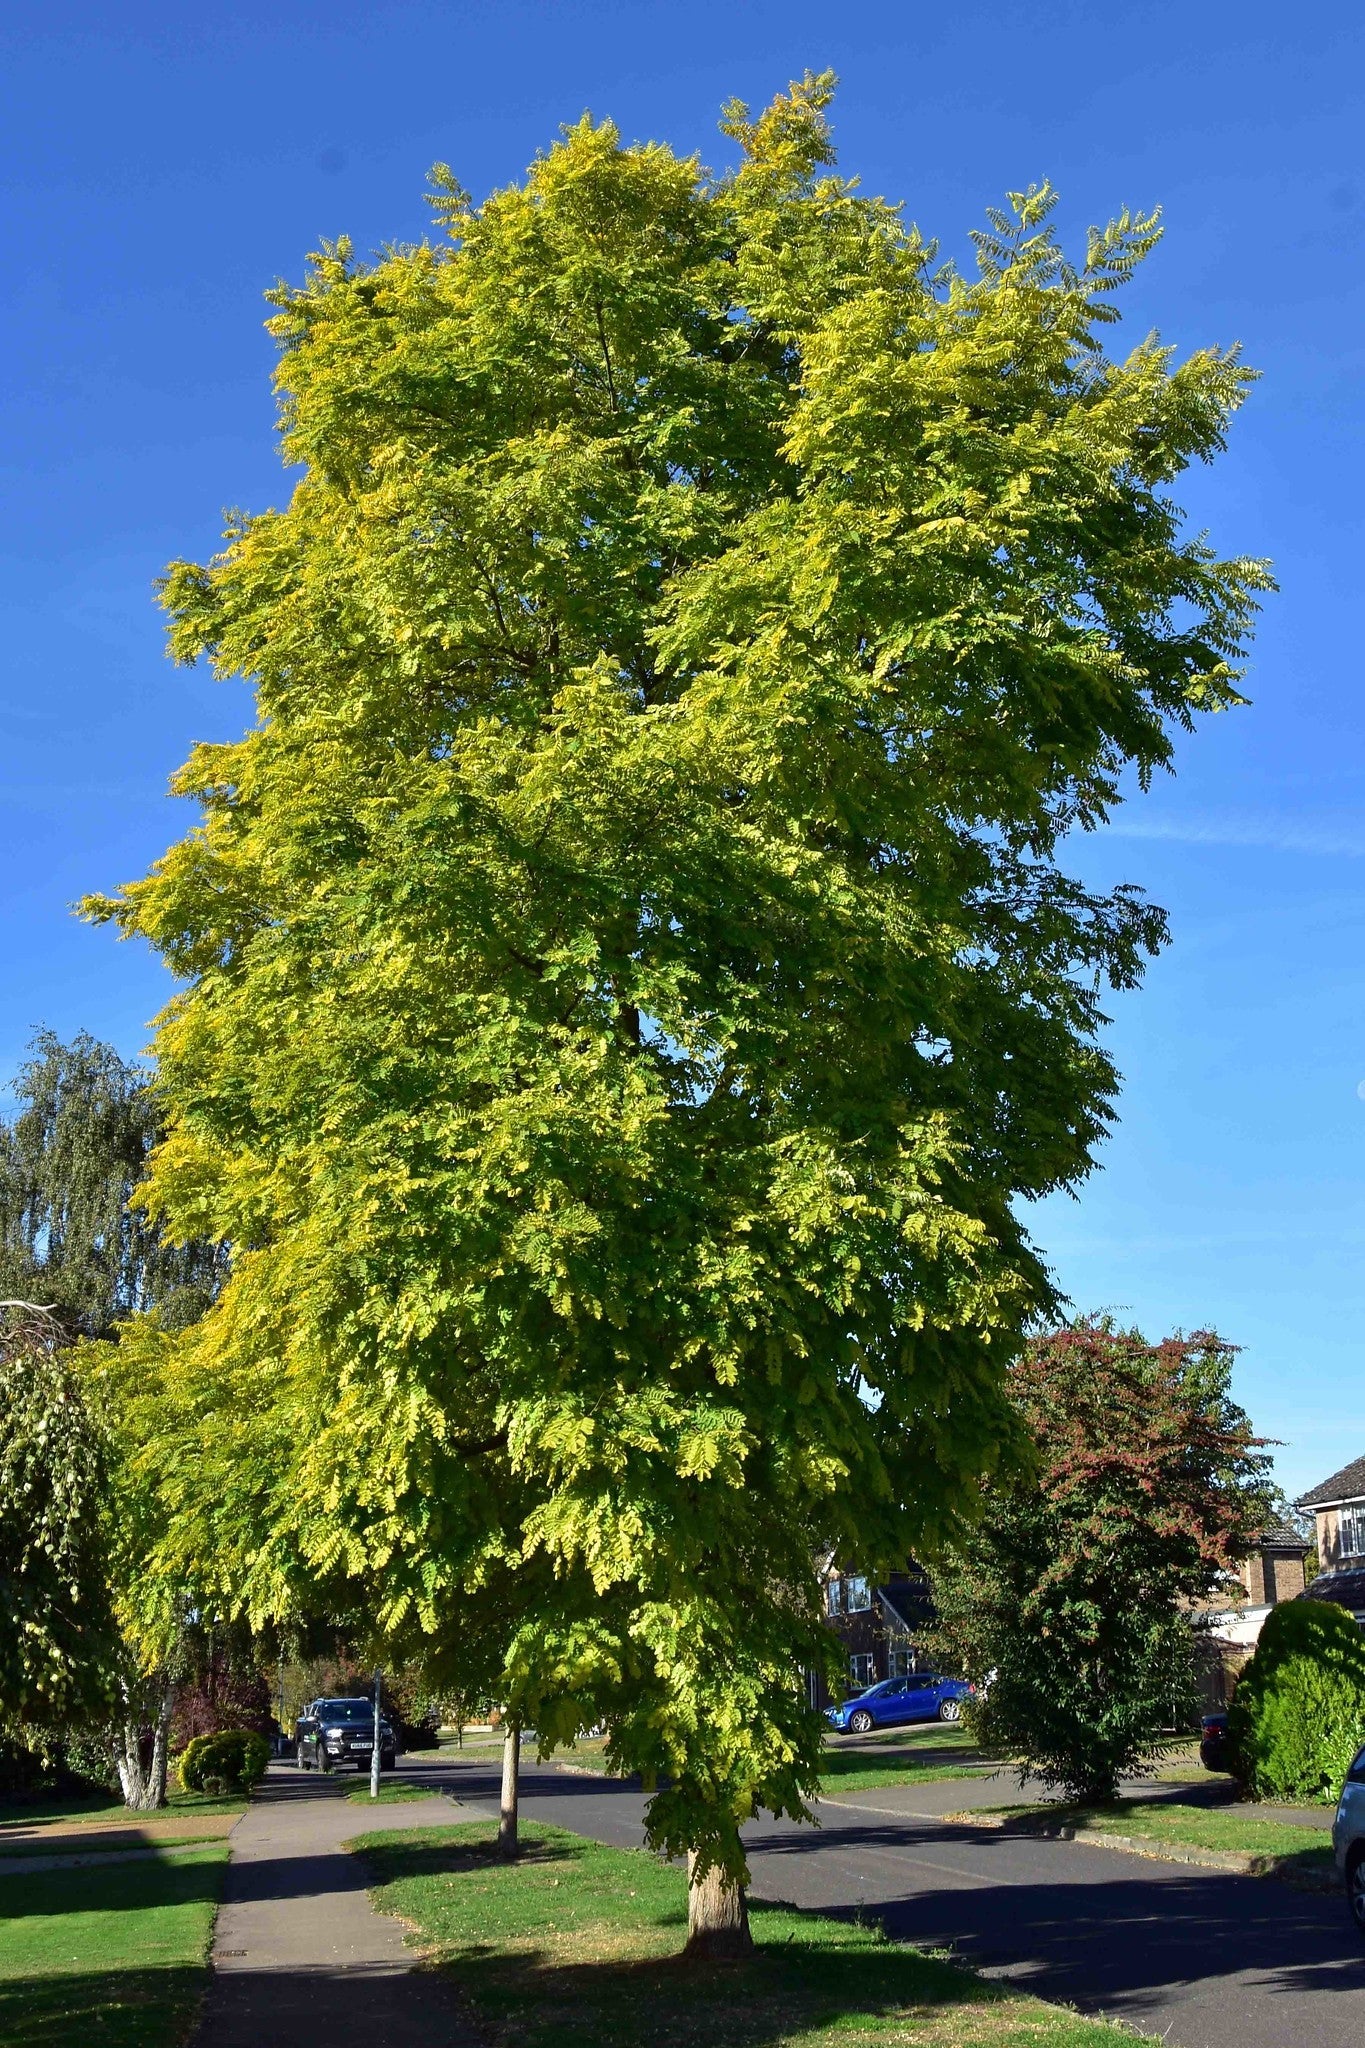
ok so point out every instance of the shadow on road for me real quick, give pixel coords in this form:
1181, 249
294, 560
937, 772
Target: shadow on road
1087, 1924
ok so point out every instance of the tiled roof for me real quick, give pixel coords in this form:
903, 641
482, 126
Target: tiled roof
1282, 1536
1348, 1484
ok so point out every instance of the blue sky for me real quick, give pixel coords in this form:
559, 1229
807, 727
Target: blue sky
161, 166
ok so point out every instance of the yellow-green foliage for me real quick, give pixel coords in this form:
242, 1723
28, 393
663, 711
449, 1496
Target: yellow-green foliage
1298, 1715
630, 993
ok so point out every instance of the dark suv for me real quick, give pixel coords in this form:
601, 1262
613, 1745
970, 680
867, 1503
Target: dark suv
330, 1733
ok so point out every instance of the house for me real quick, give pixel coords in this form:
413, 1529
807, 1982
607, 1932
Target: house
1271, 1570
877, 1624
1338, 1509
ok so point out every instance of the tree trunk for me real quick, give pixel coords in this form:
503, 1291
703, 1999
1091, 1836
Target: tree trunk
717, 1914
161, 1747
143, 1780
511, 1779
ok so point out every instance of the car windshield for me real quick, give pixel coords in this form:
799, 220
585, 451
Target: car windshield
876, 1692
345, 1710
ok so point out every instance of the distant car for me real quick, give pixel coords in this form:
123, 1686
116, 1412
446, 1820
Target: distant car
923, 1697
330, 1733
1348, 1838
1215, 1751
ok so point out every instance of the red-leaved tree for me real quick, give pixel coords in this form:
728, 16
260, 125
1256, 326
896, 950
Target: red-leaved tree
1069, 1603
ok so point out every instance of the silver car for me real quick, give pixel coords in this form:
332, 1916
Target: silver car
1348, 1838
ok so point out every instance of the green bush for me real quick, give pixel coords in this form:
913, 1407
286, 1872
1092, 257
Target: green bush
1298, 1714
236, 1756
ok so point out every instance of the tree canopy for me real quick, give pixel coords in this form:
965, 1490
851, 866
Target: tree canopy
629, 975
1071, 1602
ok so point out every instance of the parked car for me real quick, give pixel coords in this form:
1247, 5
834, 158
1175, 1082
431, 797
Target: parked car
923, 1697
1215, 1751
1348, 1838
330, 1733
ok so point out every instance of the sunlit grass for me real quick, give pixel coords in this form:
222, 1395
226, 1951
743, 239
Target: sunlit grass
113, 1957
577, 1944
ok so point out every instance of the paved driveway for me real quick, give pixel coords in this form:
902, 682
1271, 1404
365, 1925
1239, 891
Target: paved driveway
1200, 1959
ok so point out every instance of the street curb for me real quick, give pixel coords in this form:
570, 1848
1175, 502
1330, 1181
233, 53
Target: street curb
1240, 1862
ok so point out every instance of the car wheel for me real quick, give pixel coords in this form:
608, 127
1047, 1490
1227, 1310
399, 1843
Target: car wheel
1355, 1887
861, 1722
950, 1710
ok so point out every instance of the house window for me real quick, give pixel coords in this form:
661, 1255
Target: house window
901, 1663
1351, 1531
861, 1668
847, 1596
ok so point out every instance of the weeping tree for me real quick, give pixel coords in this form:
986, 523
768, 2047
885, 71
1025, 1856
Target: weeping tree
58, 1639
631, 990
70, 1160
73, 1238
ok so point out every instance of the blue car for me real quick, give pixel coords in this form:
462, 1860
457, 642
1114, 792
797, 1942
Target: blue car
925, 1697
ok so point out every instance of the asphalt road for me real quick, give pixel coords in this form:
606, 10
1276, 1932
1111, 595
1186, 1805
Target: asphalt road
1200, 1959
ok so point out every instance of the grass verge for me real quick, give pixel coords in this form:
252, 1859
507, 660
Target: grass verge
576, 1944
903, 1756
116, 1958
100, 1808
389, 1795
846, 1771
1281, 1845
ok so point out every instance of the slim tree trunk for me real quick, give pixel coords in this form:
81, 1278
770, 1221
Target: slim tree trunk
161, 1748
717, 1914
511, 1779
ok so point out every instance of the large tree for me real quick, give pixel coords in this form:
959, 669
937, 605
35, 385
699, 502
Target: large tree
1070, 1602
629, 975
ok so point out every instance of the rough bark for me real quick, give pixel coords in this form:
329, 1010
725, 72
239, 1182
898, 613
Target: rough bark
511, 1780
717, 1914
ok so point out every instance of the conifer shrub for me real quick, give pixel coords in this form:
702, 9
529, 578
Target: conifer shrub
1298, 1715
235, 1759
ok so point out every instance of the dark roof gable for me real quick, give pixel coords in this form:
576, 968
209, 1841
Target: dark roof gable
1348, 1484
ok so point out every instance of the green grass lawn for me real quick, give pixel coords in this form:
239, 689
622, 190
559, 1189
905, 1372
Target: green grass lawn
578, 1944
115, 1958
851, 1773
390, 1794
1195, 1827
98, 1806
902, 1756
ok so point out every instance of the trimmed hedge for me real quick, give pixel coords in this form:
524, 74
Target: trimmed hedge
237, 1756
1298, 1715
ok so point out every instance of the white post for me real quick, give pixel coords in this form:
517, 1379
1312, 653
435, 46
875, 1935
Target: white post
374, 1751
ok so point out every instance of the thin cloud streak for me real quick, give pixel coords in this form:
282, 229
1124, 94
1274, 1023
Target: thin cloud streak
1274, 835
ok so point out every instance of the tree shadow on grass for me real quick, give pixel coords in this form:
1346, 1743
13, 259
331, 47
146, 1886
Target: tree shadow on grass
127, 1887
601, 1960
846, 1980
117, 2009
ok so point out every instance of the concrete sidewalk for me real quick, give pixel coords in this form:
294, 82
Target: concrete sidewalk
300, 1953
